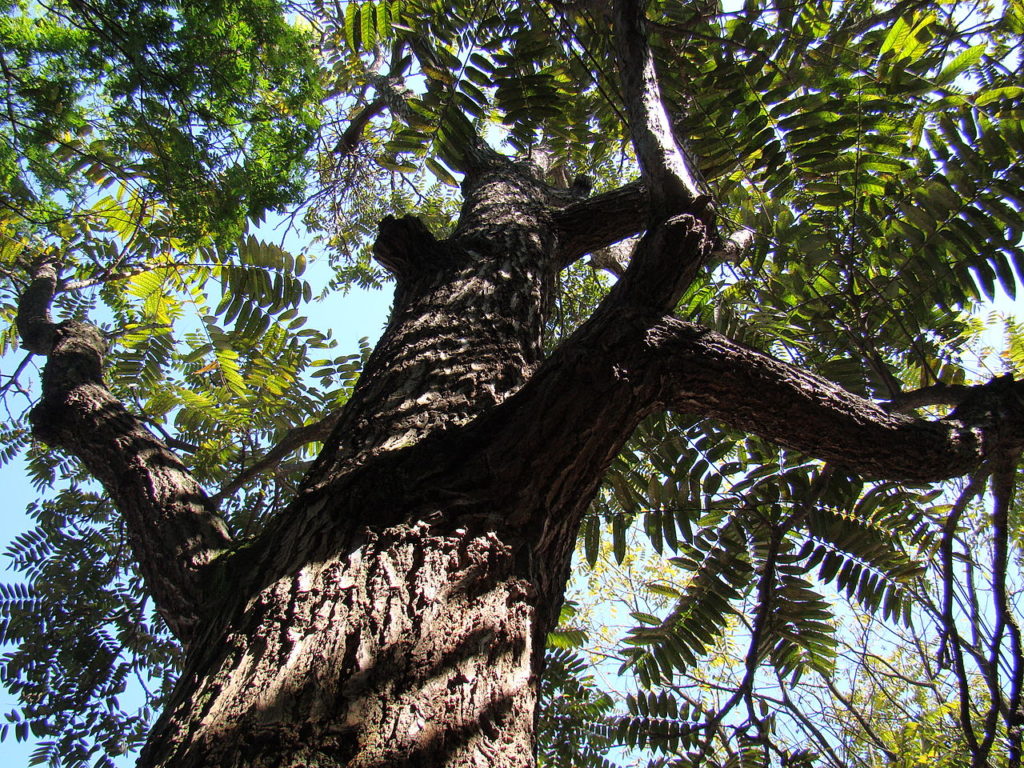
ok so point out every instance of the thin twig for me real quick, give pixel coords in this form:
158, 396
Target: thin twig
295, 438
12, 380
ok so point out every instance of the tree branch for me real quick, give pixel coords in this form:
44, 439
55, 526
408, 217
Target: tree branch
665, 262
172, 530
402, 245
12, 380
673, 177
865, 724
391, 94
601, 220
173, 442
680, 238
598, 222
820, 739
1004, 474
295, 438
951, 645
35, 326
354, 132
705, 373
107, 277
936, 394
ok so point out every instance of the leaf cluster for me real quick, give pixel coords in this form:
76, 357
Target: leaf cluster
208, 109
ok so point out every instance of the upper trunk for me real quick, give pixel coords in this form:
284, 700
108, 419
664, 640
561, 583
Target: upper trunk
467, 321
396, 614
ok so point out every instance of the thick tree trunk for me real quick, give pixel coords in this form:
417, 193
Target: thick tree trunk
396, 615
418, 647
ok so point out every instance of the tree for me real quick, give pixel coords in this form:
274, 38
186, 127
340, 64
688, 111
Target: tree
392, 608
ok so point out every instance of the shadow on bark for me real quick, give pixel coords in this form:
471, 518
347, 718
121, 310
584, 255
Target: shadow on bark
441, 671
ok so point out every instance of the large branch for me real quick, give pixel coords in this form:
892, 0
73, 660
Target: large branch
702, 372
589, 225
172, 529
620, 366
601, 220
672, 176
353, 133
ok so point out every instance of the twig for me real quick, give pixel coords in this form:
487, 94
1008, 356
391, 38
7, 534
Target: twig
950, 647
1003, 478
13, 378
295, 438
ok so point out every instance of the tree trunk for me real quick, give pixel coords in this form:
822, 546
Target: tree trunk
420, 646
396, 614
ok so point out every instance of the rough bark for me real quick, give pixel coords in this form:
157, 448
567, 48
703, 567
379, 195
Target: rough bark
704, 372
413, 648
672, 175
396, 615
172, 529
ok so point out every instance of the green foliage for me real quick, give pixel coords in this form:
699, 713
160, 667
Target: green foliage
875, 153
873, 148
138, 138
82, 633
909, 725
571, 726
208, 343
206, 108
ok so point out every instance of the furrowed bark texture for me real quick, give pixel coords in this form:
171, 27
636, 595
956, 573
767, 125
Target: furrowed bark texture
467, 321
413, 648
704, 372
396, 615
671, 174
173, 533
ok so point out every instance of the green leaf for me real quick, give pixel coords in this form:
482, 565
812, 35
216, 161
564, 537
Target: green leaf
439, 171
367, 25
352, 29
896, 37
997, 94
619, 528
961, 63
